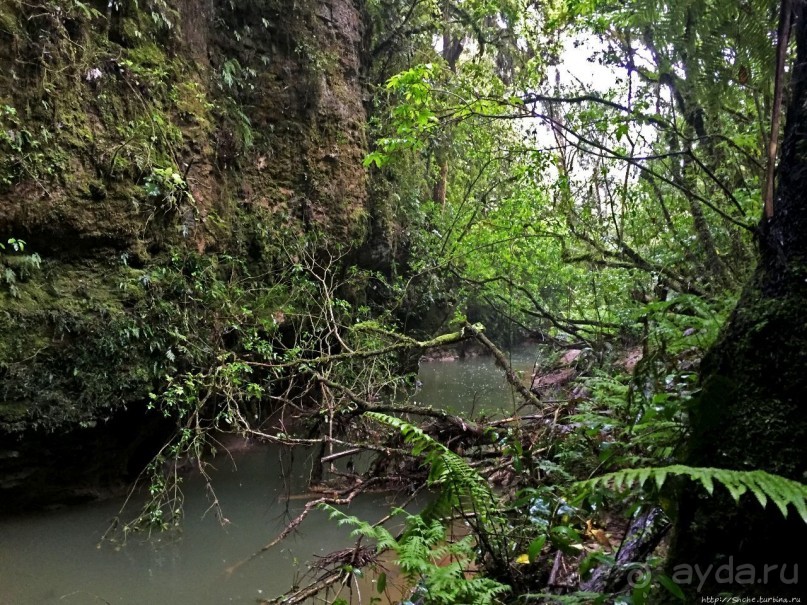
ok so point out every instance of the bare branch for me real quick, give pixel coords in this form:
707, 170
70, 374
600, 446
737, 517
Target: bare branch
529, 396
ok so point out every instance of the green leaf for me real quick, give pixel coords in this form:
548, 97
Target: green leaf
764, 486
738, 489
672, 587
535, 548
707, 482
381, 583
660, 477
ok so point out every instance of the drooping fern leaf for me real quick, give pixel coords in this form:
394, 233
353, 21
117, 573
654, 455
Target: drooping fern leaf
764, 486
460, 485
383, 538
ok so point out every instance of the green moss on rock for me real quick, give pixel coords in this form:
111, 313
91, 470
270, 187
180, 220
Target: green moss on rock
142, 177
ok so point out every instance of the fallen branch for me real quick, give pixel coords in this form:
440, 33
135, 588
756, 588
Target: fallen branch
641, 538
520, 419
337, 455
302, 595
286, 440
359, 557
510, 375
309, 506
402, 345
363, 405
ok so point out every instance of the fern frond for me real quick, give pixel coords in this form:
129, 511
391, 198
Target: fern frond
422, 548
383, 538
461, 486
764, 486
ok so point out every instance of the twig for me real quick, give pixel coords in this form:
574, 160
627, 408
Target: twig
309, 506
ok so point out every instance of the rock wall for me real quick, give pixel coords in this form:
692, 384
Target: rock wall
146, 149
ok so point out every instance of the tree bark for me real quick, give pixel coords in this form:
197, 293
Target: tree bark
751, 412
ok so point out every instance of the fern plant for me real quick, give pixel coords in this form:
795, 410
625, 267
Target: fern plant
460, 486
764, 486
436, 569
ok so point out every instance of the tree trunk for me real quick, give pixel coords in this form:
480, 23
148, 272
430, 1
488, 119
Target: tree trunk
751, 412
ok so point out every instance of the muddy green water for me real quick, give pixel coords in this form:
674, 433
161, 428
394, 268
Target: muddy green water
58, 558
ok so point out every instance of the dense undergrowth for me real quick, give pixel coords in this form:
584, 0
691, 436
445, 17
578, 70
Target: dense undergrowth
205, 239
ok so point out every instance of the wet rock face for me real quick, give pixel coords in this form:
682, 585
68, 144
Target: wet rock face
254, 102
305, 101
130, 138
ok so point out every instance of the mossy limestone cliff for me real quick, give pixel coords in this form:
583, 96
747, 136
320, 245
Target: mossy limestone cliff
149, 151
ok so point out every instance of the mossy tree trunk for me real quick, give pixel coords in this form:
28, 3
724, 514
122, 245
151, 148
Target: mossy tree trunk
751, 412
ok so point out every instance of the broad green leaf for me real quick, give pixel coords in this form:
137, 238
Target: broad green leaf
535, 548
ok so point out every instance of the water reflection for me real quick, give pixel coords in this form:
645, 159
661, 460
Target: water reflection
472, 386
56, 558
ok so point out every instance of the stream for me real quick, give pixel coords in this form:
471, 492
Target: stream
58, 557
